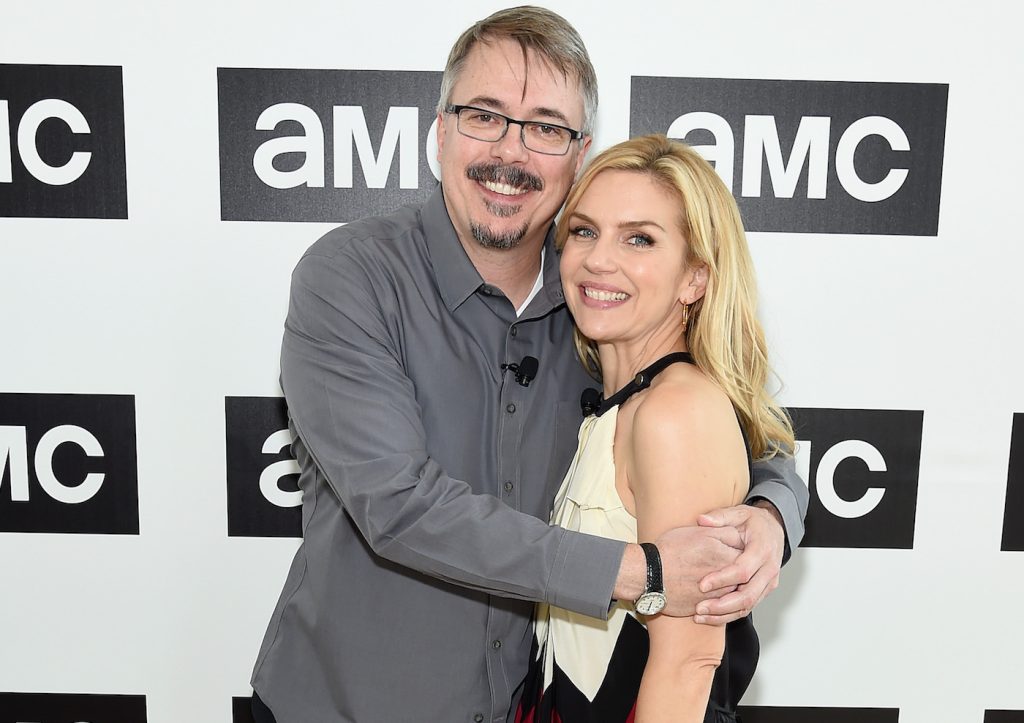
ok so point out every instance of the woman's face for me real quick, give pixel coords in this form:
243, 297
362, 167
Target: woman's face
623, 263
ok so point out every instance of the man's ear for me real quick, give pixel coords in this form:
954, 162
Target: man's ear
584, 147
440, 135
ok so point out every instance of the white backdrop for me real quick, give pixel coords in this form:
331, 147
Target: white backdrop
182, 309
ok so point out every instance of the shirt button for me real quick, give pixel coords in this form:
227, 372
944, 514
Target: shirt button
508, 486
496, 644
478, 717
514, 331
511, 408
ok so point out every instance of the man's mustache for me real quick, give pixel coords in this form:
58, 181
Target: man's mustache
512, 175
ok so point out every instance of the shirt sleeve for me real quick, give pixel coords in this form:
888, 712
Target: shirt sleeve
776, 481
356, 413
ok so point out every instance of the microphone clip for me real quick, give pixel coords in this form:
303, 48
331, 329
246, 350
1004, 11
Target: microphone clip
590, 401
524, 371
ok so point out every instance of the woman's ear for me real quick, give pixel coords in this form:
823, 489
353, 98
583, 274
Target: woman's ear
694, 284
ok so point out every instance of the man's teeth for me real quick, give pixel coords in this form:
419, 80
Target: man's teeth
605, 295
504, 189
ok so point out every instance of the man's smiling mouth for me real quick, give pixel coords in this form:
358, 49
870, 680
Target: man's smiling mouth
504, 189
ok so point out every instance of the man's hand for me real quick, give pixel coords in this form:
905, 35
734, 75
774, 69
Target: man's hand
688, 555
732, 592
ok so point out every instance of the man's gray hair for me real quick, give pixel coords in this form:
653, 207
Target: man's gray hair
547, 34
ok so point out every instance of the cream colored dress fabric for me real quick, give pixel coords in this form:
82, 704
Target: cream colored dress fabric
587, 502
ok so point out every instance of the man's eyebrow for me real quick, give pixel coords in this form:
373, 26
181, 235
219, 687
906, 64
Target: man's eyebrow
551, 113
539, 112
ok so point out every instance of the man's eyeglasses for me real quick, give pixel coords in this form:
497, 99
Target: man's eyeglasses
486, 125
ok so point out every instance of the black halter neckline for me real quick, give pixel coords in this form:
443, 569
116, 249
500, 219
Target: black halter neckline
593, 401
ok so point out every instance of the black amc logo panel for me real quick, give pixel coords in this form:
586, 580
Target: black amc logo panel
68, 464
262, 476
1013, 516
71, 708
862, 468
323, 145
774, 714
241, 710
1004, 716
810, 156
62, 149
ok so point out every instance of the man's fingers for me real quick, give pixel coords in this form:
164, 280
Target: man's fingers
718, 619
719, 592
739, 573
726, 535
724, 516
754, 573
736, 604
742, 601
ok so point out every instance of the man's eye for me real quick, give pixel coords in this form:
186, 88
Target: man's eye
546, 131
483, 118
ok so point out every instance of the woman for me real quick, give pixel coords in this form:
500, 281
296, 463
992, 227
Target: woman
658, 277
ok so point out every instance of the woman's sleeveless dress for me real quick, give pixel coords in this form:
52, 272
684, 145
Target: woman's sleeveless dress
585, 670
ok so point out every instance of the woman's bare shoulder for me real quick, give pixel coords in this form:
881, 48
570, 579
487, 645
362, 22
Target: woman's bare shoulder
683, 397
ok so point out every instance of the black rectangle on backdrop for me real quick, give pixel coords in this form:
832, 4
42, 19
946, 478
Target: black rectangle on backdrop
241, 710
1004, 716
68, 464
262, 475
310, 118
1013, 514
863, 470
71, 708
777, 714
62, 142
867, 125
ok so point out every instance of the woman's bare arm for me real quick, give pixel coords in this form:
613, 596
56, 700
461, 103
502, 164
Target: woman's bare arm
684, 455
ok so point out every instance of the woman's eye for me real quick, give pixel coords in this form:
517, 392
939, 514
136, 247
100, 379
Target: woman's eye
582, 232
640, 240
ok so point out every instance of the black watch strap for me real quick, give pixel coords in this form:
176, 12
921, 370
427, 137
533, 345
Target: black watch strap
655, 582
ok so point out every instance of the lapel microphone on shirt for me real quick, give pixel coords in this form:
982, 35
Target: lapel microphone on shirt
525, 370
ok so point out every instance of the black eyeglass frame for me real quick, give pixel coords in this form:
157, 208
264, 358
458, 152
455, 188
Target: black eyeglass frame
456, 110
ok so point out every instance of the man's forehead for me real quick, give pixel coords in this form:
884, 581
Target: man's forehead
498, 74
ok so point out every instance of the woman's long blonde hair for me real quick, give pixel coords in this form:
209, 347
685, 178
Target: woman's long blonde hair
723, 332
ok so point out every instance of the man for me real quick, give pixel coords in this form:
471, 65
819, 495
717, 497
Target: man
427, 451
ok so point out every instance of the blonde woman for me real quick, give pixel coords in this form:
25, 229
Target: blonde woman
658, 277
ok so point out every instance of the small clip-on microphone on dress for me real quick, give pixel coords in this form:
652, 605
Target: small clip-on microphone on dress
590, 401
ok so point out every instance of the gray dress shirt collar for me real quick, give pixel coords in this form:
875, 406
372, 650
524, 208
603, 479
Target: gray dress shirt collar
456, 276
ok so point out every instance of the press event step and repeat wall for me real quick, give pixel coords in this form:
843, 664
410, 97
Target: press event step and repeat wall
162, 168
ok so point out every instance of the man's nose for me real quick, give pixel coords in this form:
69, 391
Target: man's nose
509, 148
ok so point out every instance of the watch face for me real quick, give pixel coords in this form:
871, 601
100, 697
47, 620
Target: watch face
650, 603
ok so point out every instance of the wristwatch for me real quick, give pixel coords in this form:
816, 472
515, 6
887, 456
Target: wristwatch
652, 601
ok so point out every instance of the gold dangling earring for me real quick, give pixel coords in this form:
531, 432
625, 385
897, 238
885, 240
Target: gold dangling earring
686, 315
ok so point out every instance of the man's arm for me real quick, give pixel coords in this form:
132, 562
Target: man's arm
356, 413
776, 483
